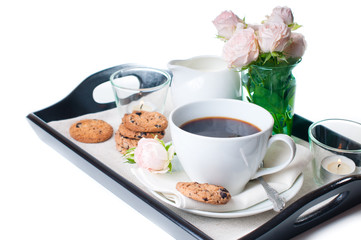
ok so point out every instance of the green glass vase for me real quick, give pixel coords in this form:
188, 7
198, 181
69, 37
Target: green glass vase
273, 88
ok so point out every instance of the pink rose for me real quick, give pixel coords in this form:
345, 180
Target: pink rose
297, 47
241, 49
241, 25
152, 155
226, 24
255, 27
283, 14
273, 36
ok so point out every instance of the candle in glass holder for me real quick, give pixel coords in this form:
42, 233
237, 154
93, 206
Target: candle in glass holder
336, 166
141, 106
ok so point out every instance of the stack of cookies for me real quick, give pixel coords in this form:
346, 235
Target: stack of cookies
137, 125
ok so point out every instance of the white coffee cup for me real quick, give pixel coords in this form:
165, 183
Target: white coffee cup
228, 162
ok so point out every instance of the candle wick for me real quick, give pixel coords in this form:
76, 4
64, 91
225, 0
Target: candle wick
141, 106
338, 165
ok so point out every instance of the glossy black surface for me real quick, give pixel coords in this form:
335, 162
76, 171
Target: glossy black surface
285, 225
345, 194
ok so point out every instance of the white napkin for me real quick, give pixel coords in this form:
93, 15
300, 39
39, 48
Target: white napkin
253, 193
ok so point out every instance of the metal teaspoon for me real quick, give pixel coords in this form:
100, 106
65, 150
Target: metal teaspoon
277, 201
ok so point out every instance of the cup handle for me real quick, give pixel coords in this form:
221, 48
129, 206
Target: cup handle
292, 146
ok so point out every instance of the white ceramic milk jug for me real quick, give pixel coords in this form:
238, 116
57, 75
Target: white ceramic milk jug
202, 77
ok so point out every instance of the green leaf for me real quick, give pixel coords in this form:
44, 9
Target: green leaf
294, 26
221, 38
270, 101
130, 160
267, 57
162, 142
170, 167
275, 54
290, 95
129, 156
167, 147
282, 57
130, 151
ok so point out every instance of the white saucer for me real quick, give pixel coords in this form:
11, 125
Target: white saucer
162, 187
256, 209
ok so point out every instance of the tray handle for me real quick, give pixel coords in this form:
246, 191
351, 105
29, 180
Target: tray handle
311, 210
80, 101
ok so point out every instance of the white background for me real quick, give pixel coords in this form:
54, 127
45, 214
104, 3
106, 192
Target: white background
49, 47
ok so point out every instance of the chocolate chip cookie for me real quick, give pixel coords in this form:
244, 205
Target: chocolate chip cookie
143, 121
138, 135
91, 131
206, 193
123, 143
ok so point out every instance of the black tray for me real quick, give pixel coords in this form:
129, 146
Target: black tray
286, 224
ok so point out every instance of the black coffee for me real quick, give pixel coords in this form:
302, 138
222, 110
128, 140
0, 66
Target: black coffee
220, 127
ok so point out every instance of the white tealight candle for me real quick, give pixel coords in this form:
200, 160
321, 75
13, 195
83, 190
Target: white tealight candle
339, 168
336, 166
142, 106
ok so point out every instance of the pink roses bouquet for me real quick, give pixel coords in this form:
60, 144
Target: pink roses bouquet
265, 54
271, 41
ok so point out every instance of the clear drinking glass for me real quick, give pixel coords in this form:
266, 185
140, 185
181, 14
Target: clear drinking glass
140, 88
